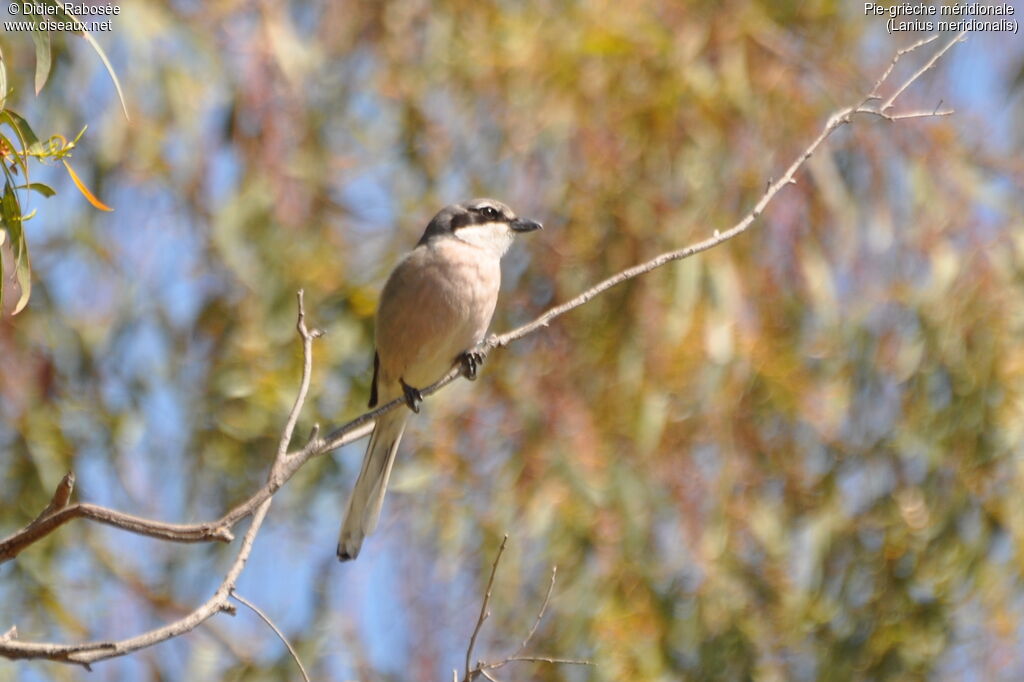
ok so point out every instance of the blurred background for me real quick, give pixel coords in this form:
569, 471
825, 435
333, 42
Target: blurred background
795, 457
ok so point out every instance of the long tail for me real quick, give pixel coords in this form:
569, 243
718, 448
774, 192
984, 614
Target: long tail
368, 495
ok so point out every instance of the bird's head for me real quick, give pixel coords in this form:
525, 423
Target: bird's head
484, 223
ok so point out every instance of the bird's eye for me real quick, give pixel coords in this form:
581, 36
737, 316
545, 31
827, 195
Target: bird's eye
489, 212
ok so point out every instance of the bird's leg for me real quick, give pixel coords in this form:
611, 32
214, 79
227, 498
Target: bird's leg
413, 397
471, 361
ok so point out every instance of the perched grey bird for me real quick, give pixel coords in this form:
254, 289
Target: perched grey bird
435, 307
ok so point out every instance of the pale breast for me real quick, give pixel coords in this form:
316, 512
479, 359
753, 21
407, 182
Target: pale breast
437, 303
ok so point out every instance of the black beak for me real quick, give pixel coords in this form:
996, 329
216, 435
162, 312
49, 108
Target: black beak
521, 225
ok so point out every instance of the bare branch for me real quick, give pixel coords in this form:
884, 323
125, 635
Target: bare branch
219, 530
920, 72
280, 635
89, 652
484, 613
60, 498
540, 614
483, 668
892, 65
905, 115
546, 659
45, 524
215, 604
307, 337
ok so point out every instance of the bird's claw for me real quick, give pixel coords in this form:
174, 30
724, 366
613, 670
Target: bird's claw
413, 397
471, 361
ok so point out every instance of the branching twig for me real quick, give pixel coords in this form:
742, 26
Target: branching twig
280, 635
895, 59
86, 653
484, 613
46, 523
307, 336
483, 668
540, 614
58, 512
541, 659
887, 104
60, 498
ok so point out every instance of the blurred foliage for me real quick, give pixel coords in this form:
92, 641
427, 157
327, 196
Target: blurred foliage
19, 144
791, 458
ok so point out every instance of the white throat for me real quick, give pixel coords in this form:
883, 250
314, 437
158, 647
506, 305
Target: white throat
495, 238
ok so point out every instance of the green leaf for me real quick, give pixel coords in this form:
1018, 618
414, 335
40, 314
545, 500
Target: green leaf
10, 211
99, 50
78, 136
45, 190
20, 160
42, 40
110, 70
25, 133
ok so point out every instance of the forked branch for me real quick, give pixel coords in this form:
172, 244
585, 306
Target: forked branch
484, 668
88, 652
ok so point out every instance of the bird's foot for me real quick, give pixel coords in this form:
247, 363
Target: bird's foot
471, 361
413, 397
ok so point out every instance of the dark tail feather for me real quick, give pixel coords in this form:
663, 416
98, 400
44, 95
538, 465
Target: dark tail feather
368, 495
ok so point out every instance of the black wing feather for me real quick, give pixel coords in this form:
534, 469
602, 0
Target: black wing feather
373, 384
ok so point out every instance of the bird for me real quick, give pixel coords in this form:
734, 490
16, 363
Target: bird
434, 309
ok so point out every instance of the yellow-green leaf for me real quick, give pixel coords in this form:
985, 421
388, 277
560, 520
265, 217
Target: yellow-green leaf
62, 10
10, 211
45, 190
19, 161
42, 40
27, 136
110, 70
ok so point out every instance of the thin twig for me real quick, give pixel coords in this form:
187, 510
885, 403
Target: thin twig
892, 64
307, 336
484, 668
60, 498
551, 659
540, 614
927, 65
546, 659
280, 635
14, 544
905, 115
484, 613
89, 652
